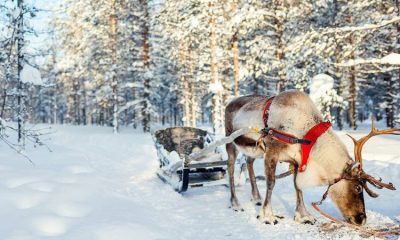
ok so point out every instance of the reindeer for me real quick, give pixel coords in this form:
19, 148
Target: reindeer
329, 162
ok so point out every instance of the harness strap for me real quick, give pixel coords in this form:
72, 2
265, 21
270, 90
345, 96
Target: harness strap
306, 143
266, 111
312, 135
394, 231
284, 137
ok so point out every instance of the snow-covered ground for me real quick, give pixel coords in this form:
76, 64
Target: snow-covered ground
97, 185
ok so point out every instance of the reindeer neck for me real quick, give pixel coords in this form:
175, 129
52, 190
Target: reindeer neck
326, 163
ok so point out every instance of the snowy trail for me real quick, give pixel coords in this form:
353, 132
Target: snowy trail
96, 185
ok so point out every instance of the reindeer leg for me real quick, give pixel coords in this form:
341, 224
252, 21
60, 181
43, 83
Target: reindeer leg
232, 154
255, 194
266, 214
301, 215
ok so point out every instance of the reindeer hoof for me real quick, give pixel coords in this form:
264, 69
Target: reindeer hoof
274, 222
256, 201
305, 219
271, 220
308, 222
280, 217
237, 209
235, 205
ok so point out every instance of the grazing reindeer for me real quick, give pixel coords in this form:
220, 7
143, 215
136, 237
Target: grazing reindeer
327, 161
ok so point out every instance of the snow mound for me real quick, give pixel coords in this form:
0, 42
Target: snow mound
320, 85
324, 95
216, 87
30, 74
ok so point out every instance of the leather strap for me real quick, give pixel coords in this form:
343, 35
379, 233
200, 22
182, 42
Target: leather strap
284, 137
307, 142
266, 110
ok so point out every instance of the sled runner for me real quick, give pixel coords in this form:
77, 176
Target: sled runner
180, 167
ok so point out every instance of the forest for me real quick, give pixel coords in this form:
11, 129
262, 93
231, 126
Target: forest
141, 63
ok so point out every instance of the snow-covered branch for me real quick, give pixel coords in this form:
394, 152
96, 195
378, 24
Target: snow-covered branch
390, 59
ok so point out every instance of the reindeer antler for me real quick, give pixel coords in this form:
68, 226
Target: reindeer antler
358, 145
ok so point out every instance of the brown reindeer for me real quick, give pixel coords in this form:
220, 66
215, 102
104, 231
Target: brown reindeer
328, 163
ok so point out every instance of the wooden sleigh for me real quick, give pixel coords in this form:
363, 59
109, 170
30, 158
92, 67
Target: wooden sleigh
179, 165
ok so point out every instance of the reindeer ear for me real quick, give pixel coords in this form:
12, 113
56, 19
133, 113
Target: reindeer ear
355, 169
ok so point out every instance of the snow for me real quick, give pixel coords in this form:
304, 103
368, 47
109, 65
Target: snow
390, 59
216, 87
97, 185
320, 85
322, 93
30, 74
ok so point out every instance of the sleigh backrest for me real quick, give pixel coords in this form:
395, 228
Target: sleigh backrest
183, 140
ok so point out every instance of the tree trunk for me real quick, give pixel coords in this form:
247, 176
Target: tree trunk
76, 107
192, 94
282, 85
146, 64
235, 54
339, 85
217, 115
353, 85
338, 76
55, 90
134, 121
3, 105
20, 63
114, 82
389, 99
186, 102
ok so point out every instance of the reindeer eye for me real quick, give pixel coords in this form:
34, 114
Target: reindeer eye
358, 188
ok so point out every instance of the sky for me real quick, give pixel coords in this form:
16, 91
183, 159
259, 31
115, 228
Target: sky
40, 41
40, 23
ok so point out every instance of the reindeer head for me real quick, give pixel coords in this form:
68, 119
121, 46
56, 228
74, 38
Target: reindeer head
347, 193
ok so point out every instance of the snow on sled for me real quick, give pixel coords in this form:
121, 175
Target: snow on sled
181, 170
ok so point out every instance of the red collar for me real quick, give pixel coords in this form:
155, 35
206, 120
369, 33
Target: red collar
307, 142
312, 135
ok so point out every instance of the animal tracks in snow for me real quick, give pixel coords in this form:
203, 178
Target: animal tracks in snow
69, 209
66, 180
78, 169
19, 181
50, 225
42, 186
52, 200
27, 201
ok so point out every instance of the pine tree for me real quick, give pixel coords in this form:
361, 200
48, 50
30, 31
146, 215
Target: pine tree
103, 63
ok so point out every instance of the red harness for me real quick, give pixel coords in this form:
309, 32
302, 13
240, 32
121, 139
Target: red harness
307, 142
